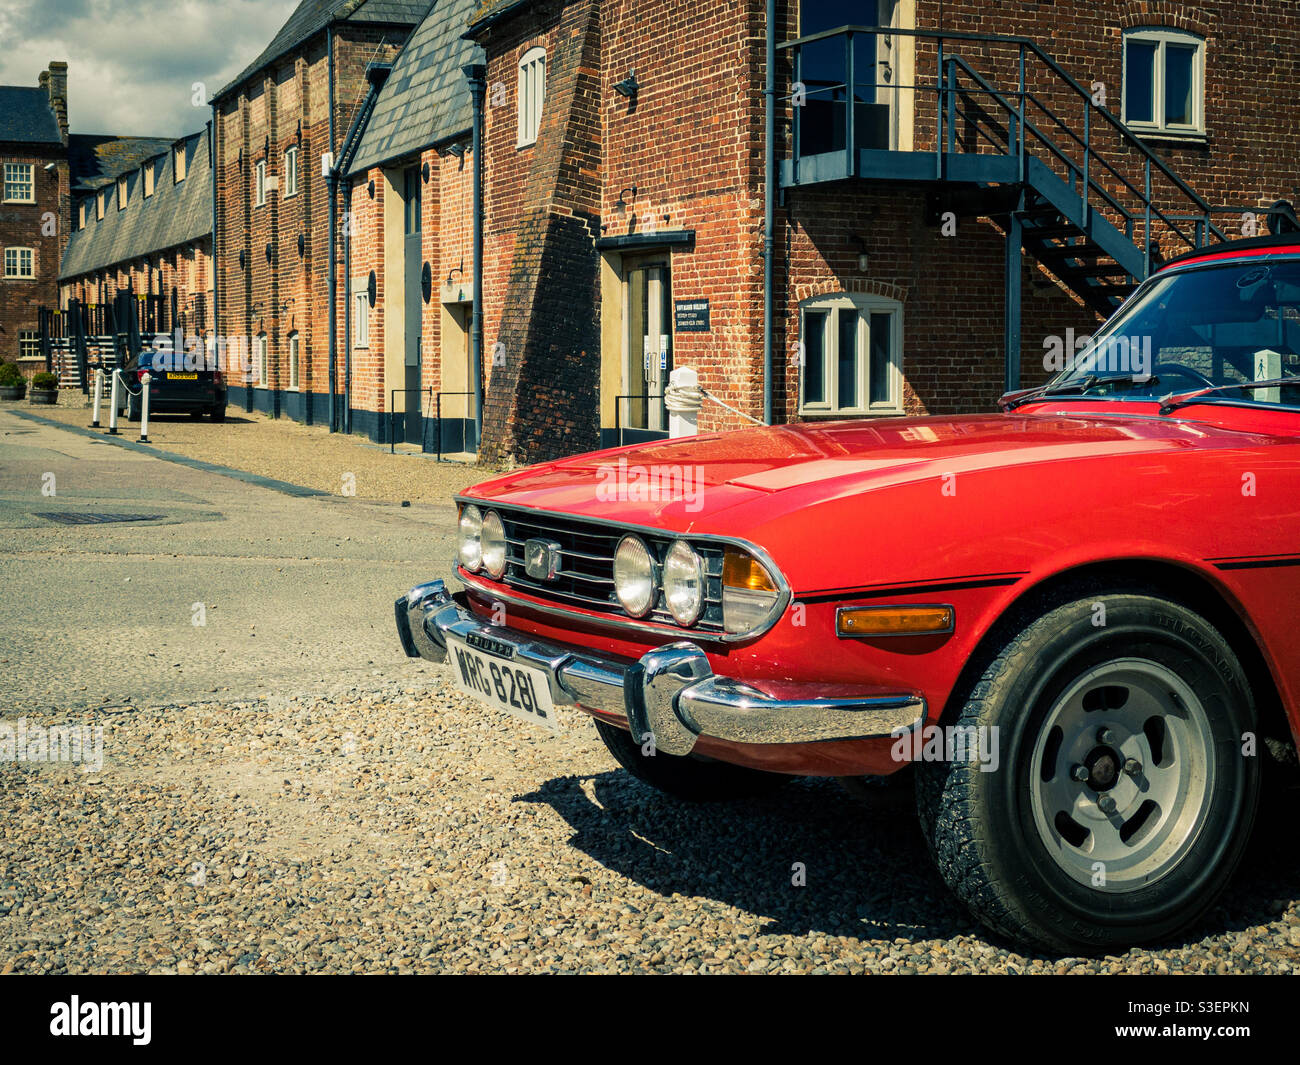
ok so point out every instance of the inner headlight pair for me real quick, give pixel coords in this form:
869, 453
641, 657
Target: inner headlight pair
637, 579
482, 541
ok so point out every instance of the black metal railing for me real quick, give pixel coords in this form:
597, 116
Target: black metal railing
1105, 164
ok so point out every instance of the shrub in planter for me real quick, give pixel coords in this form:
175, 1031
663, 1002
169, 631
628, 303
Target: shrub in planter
45, 388
12, 383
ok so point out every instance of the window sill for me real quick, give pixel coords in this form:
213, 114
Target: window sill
877, 412
521, 145
17, 201
1161, 136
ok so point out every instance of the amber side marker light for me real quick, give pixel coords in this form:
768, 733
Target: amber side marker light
894, 620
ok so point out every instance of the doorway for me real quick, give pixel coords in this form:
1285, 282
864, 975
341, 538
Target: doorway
647, 345
412, 263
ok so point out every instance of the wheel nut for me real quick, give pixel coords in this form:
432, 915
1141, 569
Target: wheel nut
1079, 773
1105, 735
1132, 767
1106, 804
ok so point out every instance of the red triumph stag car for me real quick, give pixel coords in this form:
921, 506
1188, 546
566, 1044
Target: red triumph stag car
1074, 619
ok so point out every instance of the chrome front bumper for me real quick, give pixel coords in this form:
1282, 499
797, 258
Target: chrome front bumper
670, 692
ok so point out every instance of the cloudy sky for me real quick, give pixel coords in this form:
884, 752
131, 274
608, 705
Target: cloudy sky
132, 64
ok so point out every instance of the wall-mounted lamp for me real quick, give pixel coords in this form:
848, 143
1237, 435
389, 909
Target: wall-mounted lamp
458, 150
864, 258
453, 272
621, 205
629, 86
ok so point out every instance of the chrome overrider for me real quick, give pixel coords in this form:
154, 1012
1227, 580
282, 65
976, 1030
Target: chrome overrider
670, 692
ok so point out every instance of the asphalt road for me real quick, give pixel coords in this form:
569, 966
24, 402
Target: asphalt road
227, 590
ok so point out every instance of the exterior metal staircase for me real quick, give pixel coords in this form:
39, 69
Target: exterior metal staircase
1026, 145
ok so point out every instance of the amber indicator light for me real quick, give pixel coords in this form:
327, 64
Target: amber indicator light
894, 620
742, 570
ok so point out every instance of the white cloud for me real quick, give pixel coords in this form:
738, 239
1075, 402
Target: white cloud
132, 64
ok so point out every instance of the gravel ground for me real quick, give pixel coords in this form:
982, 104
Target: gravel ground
308, 455
395, 828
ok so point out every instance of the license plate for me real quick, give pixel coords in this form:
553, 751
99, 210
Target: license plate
182, 377
517, 689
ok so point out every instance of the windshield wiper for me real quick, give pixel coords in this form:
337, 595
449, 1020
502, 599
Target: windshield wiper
1173, 403
1012, 400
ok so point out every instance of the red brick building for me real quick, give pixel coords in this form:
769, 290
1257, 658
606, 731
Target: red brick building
144, 226
278, 128
946, 188
34, 208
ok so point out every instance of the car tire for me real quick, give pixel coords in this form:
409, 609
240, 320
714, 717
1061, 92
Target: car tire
1036, 853
196, 414
692, 779
219, 414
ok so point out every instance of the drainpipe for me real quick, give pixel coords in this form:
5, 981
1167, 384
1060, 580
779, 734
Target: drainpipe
212, 249
769, 237
347, 323
333, 186
476, 74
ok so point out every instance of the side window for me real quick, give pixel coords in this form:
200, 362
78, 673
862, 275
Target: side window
1164, 82
851, 349
261, 182
532, 94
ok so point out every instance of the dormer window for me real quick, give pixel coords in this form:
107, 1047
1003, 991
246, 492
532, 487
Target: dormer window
99, 205
121, 193
178, 162
148, 170
532, 93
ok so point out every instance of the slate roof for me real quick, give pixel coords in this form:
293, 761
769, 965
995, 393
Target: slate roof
312, 16
425, 100
174, 214
487, 12
26, 116
96, 160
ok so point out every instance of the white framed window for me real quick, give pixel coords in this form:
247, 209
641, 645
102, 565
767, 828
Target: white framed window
1164, 82
20, 183
20, 263
851, 355
121, 193
261, 360
291, 171
293, 361
261, 182
178, 163
532, 94
29, 344
360, 312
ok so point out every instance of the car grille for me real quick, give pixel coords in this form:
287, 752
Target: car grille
585, 577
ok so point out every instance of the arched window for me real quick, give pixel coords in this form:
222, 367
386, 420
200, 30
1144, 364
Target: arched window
532, 93
1164, 81
851, 355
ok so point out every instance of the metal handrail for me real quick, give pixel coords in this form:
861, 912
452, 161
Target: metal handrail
946, 90
392, 412
437, 406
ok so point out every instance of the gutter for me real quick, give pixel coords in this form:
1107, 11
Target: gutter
769, 238
332, 183
476, 75
477, 29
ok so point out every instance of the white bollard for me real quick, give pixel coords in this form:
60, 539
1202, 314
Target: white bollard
683, 402
144, 407
113, 405
99, 395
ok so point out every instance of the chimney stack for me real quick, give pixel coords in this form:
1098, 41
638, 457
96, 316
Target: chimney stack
55, 82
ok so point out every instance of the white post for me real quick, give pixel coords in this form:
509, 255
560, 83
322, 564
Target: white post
113, 406
99, 395
144, 407
684, 383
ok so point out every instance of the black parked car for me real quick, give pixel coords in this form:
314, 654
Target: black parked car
173, 388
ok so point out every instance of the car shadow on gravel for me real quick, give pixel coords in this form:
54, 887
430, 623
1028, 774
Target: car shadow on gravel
867, 871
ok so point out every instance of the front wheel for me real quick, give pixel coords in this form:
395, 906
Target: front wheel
688, 778
1126, 783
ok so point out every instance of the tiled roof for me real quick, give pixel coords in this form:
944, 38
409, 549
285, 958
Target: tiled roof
26, 116
176, 213
312, 16
96, 161
425, 99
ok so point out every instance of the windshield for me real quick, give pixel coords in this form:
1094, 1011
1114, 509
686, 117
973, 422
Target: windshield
1213, 326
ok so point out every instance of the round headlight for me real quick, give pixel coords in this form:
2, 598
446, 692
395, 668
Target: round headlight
634, 576
471, 531
492, 544
683, 583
